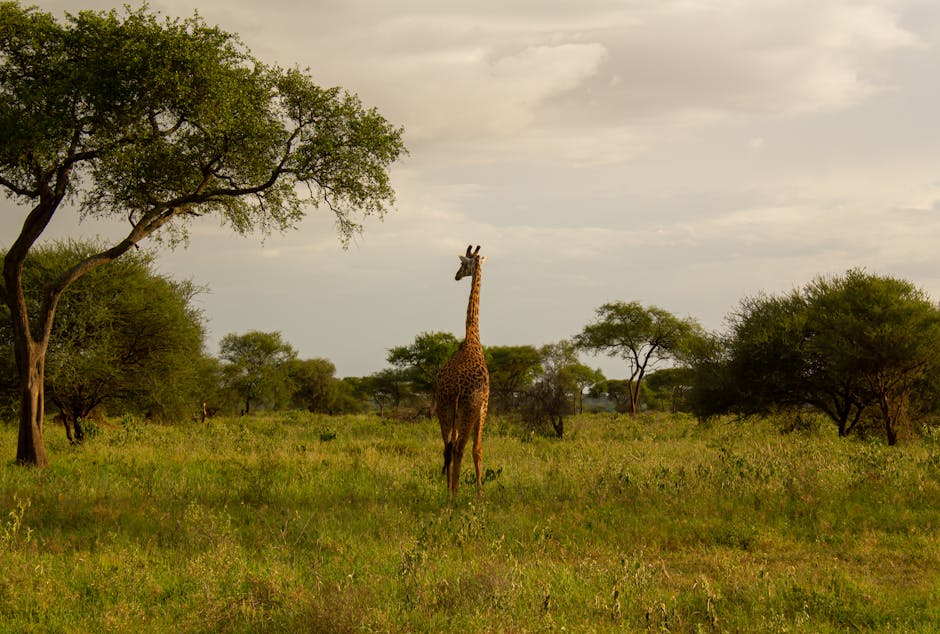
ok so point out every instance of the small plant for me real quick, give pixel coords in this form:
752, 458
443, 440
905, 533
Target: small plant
492, 475
488, 475
14, 534
90, 426
131, 430
471, 524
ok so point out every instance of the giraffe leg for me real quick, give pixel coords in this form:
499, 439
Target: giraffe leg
478, 443
478, 457
466, 420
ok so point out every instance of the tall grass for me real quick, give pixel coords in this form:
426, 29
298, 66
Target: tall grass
304, 523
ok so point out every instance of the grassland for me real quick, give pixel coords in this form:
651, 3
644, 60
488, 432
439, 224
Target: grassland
300, 523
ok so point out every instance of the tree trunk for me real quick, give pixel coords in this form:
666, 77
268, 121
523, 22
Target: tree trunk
79, 430
30, 345
634, 389
891, 433
68, 429
30, 362
30, 358
891, 413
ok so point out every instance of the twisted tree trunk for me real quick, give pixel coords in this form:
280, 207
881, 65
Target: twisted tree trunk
30, 363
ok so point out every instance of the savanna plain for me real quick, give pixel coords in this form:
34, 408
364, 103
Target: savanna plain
302, 523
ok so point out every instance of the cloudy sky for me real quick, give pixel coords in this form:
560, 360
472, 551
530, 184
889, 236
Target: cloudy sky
681, 153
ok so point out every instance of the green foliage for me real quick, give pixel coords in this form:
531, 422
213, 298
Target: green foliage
420, 362
513, 369
580, 378
160, 117
620, 391
313, 386
642, 336
852, 346
637, 523
127, 338
257, 366
712, 389
668, 389
350, 396
559, 390
880, 333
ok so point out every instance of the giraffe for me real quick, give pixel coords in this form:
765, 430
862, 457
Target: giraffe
462, 390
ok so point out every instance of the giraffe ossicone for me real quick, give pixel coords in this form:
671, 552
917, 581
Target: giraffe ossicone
462, 389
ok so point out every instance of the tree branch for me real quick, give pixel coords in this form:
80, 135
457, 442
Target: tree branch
16, 189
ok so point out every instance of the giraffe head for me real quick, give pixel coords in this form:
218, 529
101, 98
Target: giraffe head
468, 262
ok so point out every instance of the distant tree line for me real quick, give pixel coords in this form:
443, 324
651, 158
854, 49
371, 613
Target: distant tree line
862, 350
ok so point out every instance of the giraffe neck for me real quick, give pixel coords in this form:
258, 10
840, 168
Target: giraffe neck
473, 308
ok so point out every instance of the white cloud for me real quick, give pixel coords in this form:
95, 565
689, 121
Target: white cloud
573, 80
476, 97
584, 82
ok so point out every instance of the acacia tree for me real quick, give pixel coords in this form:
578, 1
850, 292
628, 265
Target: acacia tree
767, 356
583, 378
880, 335
157, 121
619, 391
846, 345
387, 388
257, 365
313, 384
643, 337
560, 363
777, 359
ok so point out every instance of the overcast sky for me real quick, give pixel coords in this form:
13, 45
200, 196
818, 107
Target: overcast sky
681, 153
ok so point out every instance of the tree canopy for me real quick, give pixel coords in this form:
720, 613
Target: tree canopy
129, 337
313, 386
153, 122
847, 345
420, 361
642, 336
257, 366
559, 389
513, 369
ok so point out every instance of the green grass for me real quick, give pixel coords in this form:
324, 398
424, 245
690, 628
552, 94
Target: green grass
297, 523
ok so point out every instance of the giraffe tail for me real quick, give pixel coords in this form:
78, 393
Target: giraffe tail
448, 453
449, 443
